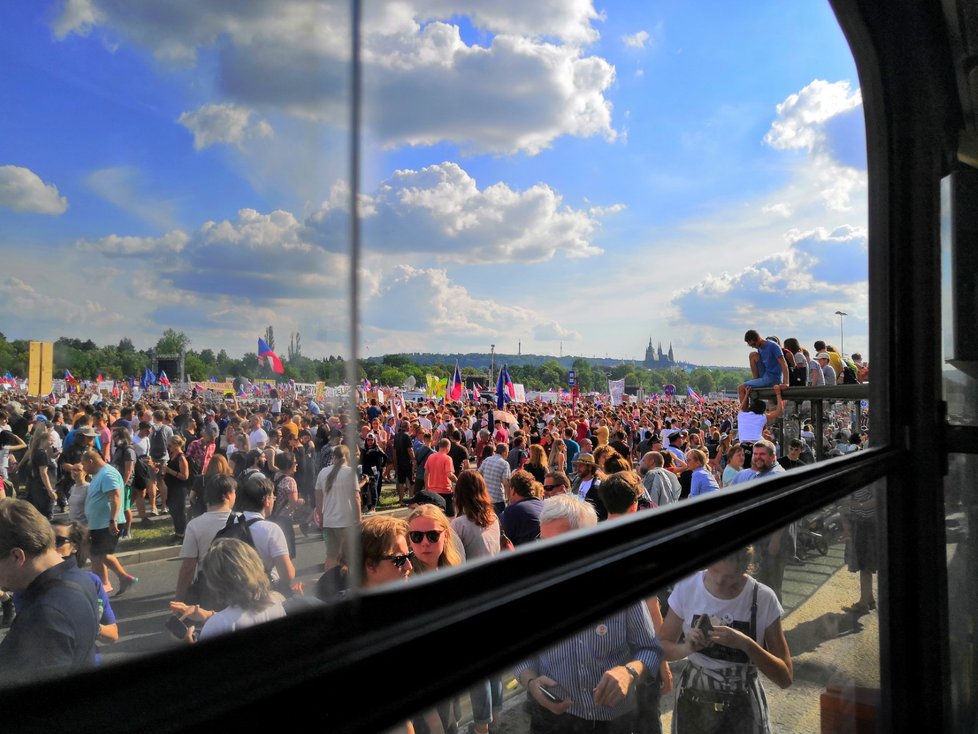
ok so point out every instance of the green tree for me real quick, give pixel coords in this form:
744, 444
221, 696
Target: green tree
172, 342
702, 380
391, 376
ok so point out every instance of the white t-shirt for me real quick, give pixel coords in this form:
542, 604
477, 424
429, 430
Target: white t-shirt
340, 502
478, 542
236, 618
140, 444
269, 542
258, 438
201, 532
690, 598
76, 503
750, 426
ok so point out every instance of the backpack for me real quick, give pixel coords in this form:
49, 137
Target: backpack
239, 528
157, 444
236, 527
849, 376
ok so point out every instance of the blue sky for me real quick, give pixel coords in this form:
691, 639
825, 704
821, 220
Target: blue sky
563, 171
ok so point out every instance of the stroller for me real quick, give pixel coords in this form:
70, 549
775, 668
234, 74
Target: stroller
818, 531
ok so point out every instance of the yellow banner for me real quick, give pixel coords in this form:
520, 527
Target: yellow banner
41, 365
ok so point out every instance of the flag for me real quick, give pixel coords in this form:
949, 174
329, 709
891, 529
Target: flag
70, 378
163, 379
148, 378
477, 391
457, 387
616, 390
436, 387
265, 352
98, 377
365, 384
693, 394
505, 390
132, 382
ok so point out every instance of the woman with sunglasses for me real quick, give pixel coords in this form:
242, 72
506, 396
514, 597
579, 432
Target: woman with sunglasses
432, 540
434, 547
384, 556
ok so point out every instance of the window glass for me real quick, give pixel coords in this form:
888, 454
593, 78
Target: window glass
815, 581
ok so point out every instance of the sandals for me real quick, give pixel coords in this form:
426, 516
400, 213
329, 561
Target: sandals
860, 607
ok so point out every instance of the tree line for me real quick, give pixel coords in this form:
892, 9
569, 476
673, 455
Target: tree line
86, 360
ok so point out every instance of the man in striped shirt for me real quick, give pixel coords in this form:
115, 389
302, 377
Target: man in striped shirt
495, 470
584, 682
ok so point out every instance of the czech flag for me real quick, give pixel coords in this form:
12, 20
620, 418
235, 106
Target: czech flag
505, 389
477, 391
265, 352
693, 395
163, 379
70, 378
455, 393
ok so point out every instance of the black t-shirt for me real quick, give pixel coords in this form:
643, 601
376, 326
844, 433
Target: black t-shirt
790, 463
8, 438
402, 448
458, 455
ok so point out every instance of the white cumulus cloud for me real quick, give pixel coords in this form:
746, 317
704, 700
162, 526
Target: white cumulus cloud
170, 243
222, 123
440, 209
422, 83
826, 120
819, 268
427, 301
23, 191
636, 40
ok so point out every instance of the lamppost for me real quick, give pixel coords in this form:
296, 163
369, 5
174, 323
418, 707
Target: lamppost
842, 332
492, 365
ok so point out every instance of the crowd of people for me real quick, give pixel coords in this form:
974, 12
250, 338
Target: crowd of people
239, 480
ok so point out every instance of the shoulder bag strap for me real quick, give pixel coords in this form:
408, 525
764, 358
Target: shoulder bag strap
753, 613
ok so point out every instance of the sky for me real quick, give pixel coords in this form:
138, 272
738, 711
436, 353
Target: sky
559, 176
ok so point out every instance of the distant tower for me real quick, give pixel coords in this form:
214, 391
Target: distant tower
661, 355
519, 349
649, 354
671, 358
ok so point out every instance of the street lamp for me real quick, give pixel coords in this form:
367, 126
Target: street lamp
492, 364
842, 332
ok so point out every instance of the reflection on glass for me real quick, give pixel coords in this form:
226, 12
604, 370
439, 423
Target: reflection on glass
960, 386
961, 507
814, 659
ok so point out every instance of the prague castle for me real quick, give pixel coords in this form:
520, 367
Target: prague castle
656, 359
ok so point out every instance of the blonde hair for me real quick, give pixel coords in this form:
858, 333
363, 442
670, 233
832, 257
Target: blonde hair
233, 569
449, 555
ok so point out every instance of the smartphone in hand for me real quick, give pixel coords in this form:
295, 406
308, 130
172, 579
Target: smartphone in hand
177, 627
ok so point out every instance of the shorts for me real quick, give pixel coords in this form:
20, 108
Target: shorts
127, 498
403, 473
764, 381
333, 538
103, 542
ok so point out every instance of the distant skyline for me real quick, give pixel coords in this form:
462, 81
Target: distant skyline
590, 173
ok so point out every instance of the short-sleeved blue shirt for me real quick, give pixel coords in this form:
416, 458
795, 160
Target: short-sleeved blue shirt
770, 354
106, 480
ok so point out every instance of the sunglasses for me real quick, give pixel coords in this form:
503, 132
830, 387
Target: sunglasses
552, 486
399, 561
417, 536
60, 541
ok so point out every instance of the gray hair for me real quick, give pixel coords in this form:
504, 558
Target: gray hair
577, 513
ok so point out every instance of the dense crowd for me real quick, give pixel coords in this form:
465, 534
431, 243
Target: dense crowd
240, 479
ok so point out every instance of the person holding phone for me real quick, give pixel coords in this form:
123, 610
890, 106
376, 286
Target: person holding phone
732, 628
587, 682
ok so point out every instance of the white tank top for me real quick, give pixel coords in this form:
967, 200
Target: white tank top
750, 425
